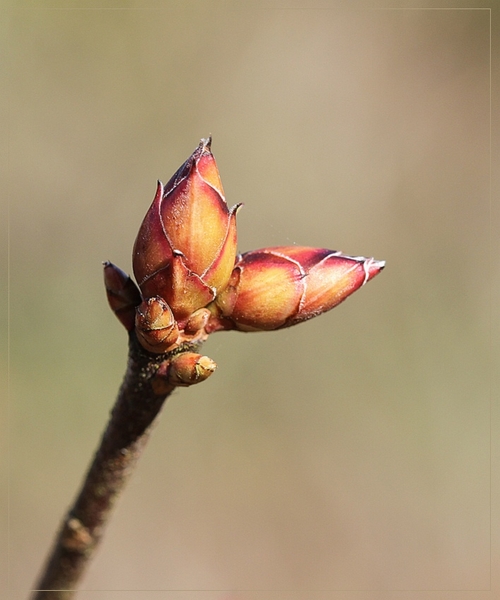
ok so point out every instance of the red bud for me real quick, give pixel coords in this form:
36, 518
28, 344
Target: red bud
186, 245
279, 287
123, 295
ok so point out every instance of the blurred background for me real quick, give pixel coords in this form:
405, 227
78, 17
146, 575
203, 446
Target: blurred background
351, 453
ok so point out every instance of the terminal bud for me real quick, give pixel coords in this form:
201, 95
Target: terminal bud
186, 246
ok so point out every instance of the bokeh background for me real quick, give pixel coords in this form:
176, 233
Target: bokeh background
349, 457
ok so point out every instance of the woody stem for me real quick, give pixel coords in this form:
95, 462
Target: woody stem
139, 402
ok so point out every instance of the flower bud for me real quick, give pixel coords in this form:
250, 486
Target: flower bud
155, 325
123, 295
279, 287
186, 246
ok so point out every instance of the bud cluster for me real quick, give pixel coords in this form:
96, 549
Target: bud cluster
191, 282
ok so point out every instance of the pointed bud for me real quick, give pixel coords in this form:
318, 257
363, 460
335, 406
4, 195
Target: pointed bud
186, 245
279, 287
155, 325
189, 368
123, 295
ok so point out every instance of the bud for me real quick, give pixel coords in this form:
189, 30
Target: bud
197, 321
189, 368
123, 295
186, 246
279, 287
155, 325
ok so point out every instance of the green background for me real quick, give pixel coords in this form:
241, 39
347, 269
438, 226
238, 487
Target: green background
350, 453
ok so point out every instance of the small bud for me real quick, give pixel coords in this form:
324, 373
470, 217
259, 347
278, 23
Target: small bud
123, 295
189, 368
197, 321
155, 325
186, 246
279, 287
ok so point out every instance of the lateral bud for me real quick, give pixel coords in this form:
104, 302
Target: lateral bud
155, 325
123, 295
279, 287
189, 368
197, 321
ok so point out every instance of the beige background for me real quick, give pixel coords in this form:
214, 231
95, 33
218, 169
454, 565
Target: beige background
350, 453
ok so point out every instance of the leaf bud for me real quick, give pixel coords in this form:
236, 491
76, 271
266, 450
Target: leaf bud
189, 368
278, 287
155, 325
197, 321
123, 295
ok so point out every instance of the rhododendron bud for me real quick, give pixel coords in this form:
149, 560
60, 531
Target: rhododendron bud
279, 287
123, 295
186, 246
155, 325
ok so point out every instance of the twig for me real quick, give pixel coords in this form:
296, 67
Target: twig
191, 283
139, 401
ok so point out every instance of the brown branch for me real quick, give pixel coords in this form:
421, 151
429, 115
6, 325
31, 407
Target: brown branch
139, 401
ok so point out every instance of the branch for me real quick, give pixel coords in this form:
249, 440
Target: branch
144, 389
